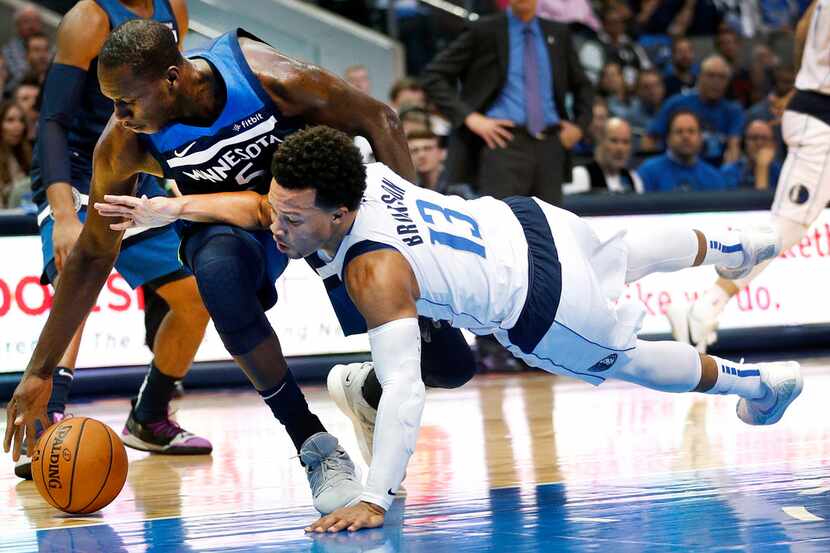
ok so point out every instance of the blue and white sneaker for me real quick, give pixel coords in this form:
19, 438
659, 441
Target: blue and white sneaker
331, 473
758, 245
784, 381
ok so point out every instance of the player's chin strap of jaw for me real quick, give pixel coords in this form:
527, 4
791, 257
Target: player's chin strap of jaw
396, 352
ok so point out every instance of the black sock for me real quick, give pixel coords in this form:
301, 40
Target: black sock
372, 389
288, 404
154, 396
61, 384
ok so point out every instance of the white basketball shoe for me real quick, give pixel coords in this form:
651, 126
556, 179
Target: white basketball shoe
784, 382
758, 244
695, 324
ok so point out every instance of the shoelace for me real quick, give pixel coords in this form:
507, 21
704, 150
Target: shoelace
165, 427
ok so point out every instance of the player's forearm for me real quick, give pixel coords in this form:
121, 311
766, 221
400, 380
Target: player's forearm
81, 281
61, 200
389, 144
396, 353
242, 209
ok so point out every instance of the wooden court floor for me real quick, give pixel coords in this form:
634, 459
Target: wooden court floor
516, 463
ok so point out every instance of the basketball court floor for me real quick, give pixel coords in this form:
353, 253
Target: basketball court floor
509, 463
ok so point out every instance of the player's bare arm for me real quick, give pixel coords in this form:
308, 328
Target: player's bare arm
117, 161
322, 98
384, 289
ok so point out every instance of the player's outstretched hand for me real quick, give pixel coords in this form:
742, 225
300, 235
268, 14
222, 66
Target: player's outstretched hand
362, 515
139, 212
26, 408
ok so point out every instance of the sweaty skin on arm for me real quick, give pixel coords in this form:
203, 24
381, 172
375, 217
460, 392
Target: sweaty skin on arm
117, 160
321, 98
384, 289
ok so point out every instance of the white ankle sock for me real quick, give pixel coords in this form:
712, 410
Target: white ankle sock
738, 378
724, 248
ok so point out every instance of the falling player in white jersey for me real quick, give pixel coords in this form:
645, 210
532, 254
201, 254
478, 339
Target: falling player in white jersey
804, 185
534, 275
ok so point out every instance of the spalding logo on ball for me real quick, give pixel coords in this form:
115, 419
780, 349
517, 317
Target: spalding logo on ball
79, 465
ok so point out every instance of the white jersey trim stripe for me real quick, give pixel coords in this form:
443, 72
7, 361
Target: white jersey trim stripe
197, 158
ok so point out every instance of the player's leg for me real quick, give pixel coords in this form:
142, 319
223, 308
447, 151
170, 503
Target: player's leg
149, 426
232, 271
802, 192
446, 362
765, 389
733, 252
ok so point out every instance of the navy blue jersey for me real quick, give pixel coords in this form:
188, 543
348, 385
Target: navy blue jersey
95, 110
234, 153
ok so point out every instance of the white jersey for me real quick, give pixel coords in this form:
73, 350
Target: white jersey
470, 257
815, 62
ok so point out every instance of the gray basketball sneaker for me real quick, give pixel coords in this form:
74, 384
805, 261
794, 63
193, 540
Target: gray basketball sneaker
331, 473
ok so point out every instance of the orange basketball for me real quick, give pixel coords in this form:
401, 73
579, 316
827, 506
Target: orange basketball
79, 465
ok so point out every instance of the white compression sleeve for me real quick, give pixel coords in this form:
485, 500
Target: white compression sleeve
396, 352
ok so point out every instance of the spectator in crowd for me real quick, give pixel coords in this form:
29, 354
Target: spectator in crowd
608, 172
584, 149
771, 108
15, 150
722, 119
614, 89
5, 80
681, 168
415, 119
681, 75
428, 158
650, 93
515, 139
27, 22
580, 12
619, 47
25, 96
407, 92
37, 56
730, 46
358, 77
676, 17
759, 167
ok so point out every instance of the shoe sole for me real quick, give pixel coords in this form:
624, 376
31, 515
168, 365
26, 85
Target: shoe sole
134, 442
23, 469
334, 384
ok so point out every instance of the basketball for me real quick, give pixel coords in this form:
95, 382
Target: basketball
79, 465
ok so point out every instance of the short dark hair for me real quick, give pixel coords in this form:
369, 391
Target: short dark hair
325, 160
678, 113
405, 83
147, 47
422, 134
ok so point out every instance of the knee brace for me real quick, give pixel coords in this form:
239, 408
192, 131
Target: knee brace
446, 359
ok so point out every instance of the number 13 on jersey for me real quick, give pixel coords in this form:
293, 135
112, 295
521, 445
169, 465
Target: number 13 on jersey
467, 226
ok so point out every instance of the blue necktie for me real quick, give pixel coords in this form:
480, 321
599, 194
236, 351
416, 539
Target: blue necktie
533, 93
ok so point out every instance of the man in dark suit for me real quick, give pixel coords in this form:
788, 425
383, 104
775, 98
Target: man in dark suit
511, 133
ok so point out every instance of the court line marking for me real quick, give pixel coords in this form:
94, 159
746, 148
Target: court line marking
591, 519
814, 491
801, 513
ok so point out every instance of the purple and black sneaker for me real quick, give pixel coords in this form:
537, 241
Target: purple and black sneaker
162, 436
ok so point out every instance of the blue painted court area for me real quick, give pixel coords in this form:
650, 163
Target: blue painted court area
711, 510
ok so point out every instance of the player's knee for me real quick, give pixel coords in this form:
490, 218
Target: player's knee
185, 301
446, 360
790, 231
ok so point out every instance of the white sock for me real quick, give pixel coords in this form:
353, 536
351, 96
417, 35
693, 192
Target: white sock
724, 248
738, 378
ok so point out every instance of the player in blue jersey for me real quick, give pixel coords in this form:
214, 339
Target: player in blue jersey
73, 116
212, 121
534, 275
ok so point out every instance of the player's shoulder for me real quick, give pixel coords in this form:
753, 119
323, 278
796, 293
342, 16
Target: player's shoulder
85, 26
